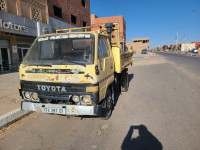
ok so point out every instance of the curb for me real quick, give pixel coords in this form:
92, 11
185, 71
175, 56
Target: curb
12, 116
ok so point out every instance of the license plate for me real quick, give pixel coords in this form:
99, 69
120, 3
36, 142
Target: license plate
53, 110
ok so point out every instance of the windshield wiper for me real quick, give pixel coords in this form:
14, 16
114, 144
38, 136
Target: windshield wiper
73, 62
39, 65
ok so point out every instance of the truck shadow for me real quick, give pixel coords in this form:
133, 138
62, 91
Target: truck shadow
130, 77
144, 141
118, 93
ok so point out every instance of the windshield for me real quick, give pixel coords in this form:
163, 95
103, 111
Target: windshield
61, 49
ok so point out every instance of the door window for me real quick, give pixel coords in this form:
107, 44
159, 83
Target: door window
102, 49
105, 40
22, 53
102, 52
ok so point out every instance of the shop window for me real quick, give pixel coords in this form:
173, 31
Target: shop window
25, 11
73, 19
12, 6
5, 59
83, 3
84, 24
57, 11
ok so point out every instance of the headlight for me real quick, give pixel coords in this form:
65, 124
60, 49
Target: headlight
75, 98
27, 95
34, 96
86, 99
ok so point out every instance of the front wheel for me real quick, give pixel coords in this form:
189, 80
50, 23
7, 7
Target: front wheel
107, 106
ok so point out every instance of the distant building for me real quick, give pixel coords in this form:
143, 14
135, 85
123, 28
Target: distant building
138, 44
185, 47
197, 44
129, 45
95, 21
172, 47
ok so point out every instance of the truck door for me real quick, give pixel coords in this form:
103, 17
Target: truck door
105, 61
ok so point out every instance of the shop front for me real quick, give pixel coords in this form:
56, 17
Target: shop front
16, 36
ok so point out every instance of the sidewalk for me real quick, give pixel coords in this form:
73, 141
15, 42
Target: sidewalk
10, 99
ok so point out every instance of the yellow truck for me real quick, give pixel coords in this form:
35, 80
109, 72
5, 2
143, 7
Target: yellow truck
75, 73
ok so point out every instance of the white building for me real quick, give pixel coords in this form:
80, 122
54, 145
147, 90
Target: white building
185, 47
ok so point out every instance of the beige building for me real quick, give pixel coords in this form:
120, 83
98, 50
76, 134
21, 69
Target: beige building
138, 44
185, 47
129, 45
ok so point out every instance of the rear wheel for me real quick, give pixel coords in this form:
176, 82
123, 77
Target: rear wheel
107, 105
124, 81
117, 83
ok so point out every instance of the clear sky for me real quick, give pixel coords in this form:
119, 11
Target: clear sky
160, 20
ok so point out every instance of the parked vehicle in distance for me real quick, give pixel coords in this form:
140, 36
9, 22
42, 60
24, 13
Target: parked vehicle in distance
144, 51
166, 50
195, 50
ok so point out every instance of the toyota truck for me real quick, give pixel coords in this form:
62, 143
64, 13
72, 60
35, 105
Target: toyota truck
75, 73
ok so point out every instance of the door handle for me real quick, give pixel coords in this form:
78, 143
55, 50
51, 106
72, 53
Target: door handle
111, 67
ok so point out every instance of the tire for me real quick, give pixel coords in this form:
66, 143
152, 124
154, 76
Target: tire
117, 84
107, 105
124, 81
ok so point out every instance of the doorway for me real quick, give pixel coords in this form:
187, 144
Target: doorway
4, 59
22, 53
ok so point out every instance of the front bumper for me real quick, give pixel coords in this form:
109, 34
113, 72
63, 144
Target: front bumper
78, 110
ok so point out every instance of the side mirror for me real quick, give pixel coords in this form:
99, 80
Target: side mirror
96, 70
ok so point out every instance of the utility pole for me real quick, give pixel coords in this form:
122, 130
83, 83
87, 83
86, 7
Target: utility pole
196, 11
185, 37
177, 41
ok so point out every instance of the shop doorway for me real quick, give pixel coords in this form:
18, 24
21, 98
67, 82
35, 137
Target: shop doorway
22, 53
4, 59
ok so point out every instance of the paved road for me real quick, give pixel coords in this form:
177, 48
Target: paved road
160, 111
190, 63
